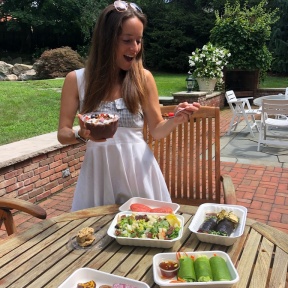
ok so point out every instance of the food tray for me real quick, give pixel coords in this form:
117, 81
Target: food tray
214, 284
158, 243
199, 218
86, 274
149, 202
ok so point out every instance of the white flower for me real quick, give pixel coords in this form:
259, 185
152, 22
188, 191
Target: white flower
209, 61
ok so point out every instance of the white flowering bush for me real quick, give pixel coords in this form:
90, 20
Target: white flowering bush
209, 61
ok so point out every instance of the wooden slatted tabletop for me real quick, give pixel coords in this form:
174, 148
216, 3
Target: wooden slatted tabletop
42, 256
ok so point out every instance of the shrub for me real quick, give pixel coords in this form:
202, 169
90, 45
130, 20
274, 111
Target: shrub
244, 32
57, 63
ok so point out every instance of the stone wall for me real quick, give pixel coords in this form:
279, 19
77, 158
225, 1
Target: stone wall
216, 99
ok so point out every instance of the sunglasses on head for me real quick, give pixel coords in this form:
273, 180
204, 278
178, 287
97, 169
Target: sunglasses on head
122, 6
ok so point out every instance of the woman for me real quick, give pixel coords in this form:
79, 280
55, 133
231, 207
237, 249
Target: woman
114, 81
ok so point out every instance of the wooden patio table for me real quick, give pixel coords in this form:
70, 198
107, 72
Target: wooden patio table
41, 257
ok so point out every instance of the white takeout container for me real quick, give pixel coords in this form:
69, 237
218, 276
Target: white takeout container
149, 202
147, 242
209, 208
101, 278
213, 284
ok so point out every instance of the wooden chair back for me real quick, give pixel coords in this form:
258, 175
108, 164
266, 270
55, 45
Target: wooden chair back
189, 157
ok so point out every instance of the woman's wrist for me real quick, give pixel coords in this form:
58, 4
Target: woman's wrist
79, 138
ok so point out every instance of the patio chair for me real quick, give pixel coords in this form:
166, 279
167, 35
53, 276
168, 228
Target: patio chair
274, 114
286, 93
6, 216
189, 158
241, 108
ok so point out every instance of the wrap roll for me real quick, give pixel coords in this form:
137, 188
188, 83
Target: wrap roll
208, 225
186, 270
219, 269
203, 269
225, 227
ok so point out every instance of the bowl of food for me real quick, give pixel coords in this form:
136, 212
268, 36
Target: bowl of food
87, 277
139, 204
219, 223
101, 125
196, 269
146, 229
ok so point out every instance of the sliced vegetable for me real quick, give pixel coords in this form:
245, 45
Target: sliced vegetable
162, 210
138, 207
147, 226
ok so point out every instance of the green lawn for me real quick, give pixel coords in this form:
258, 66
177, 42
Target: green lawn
31, 108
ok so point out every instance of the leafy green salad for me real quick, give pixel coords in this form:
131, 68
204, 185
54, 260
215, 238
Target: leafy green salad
165, 227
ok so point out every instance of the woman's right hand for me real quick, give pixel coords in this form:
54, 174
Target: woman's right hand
84, 132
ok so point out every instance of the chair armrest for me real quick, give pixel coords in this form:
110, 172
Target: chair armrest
22, 205
229, 190
247, 98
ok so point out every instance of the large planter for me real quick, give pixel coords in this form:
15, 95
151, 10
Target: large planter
206, 84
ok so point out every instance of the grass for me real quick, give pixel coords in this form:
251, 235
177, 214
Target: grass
31, 108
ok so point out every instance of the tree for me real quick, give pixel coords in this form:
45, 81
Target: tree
279, 40
244, 32
55, 20
174, 30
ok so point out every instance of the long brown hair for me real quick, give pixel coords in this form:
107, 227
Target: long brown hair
101, 69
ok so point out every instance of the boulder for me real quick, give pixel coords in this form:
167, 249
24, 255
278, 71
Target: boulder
11, 77
21, 68
5, 68
18, 71
27, 75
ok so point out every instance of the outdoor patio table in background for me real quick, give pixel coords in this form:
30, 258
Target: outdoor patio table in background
258, 101
41, 257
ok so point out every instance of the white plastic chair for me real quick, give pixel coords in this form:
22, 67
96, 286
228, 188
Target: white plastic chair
286, 93
241, 108
271, 109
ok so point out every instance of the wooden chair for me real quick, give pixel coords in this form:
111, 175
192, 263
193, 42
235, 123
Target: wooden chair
189, 158
8, 204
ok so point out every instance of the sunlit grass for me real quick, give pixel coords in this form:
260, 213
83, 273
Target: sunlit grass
31, 108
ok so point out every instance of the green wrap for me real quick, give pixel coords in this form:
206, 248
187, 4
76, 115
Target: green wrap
220, 269
186, 270
203, 269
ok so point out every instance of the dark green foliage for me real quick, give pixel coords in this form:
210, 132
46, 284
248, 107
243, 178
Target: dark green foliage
244, 32
279, 40
57, 63
174, 30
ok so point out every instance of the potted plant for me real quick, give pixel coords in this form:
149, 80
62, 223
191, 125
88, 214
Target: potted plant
207, 64
244, 31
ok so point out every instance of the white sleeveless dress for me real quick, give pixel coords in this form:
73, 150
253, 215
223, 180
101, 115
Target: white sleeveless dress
121, 167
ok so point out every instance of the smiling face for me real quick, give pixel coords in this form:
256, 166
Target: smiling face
129, 43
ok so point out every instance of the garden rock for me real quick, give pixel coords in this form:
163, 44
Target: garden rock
18, 71
20, 68
5, 68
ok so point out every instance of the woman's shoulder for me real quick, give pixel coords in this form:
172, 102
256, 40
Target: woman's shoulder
147, 73
148, 76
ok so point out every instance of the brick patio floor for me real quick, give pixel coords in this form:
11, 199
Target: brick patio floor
262, 189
